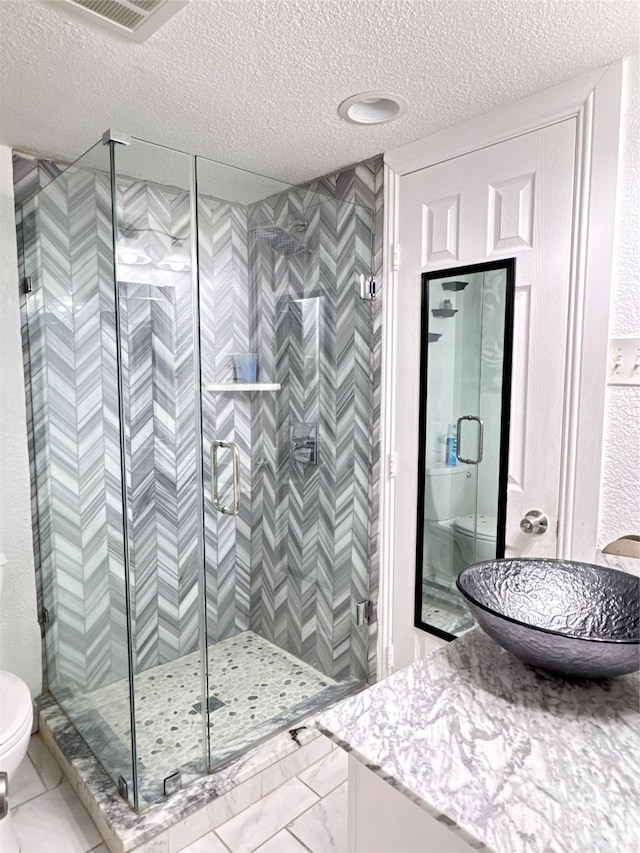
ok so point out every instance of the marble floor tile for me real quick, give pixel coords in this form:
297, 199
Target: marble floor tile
26, 784
282, 842
259, 822
325, 775
298, 817
209, 843
55, 822
48, 768
323, 828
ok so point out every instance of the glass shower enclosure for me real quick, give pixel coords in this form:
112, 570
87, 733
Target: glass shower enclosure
200, 388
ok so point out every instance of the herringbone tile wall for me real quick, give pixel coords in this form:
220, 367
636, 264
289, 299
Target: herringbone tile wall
311, 534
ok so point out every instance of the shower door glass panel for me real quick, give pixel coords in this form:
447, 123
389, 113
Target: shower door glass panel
68, 252
464, 405
278, 278
160, 368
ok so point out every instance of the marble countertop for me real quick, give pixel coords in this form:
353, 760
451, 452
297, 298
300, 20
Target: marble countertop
513, 758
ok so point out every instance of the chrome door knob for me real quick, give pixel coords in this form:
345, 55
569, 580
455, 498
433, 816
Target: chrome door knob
534, 522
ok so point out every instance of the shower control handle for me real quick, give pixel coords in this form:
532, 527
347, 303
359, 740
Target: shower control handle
215, 497
535, 522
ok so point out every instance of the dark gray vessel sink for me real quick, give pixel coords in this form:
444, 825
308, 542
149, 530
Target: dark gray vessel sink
573, 618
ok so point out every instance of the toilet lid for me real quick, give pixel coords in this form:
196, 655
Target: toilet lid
486, 526
15, 707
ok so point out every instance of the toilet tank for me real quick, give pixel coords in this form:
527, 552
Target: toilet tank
448, 491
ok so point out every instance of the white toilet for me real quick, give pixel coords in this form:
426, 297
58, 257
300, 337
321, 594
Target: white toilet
451, 525
448, 492
16, 720
478, 529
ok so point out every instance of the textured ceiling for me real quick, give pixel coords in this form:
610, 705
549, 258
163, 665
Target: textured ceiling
256, 83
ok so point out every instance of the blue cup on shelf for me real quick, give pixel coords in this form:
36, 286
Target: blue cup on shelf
246, 364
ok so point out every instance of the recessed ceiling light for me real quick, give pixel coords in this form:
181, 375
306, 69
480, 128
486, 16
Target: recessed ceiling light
372, 108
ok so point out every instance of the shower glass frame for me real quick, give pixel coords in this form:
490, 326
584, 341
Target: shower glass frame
429, 339
101, 178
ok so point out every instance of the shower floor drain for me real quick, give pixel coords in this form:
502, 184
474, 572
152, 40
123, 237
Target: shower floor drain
213, 703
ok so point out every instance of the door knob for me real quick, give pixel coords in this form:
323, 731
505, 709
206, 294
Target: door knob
534, 522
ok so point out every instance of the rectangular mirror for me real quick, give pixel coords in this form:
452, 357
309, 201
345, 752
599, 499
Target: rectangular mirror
465, 383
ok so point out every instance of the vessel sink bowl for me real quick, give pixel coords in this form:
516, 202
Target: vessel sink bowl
572, 618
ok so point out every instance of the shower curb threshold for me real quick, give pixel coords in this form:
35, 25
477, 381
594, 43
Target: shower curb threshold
170, 825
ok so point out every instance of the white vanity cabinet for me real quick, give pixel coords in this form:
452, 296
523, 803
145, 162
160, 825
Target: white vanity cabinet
381, 819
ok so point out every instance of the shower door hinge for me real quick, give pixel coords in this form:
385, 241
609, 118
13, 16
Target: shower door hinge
364, 613
44, 617
172, 783
123, 788
367, 287
395, 262
27, 284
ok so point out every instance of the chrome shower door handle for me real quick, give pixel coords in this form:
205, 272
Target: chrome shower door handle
480, 423
215, 497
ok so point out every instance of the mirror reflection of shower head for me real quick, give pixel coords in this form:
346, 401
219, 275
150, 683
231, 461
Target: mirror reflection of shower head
283, 241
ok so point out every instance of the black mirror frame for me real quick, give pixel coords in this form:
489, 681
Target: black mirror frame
509, 265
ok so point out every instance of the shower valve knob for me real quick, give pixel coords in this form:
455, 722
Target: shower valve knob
534, 522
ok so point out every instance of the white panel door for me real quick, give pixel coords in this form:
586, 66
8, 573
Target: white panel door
512, 199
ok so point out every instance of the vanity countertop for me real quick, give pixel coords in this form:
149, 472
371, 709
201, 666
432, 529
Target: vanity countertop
512, 758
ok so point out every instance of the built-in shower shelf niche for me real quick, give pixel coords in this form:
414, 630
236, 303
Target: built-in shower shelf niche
454, 285
444, 312
243, 386
432, 337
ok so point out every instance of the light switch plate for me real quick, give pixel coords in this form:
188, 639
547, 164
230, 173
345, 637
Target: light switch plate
623, 363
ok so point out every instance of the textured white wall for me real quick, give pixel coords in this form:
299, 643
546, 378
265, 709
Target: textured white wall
620, 496
19, 630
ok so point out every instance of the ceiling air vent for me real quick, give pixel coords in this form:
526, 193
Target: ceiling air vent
134, 19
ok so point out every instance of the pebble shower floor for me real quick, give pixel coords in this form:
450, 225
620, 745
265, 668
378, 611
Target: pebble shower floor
252, 682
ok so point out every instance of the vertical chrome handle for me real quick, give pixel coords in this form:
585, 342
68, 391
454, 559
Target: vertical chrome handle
480, 423
215, 497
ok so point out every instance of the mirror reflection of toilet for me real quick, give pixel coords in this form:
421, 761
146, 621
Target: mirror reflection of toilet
475, 537
455, 536
16, 720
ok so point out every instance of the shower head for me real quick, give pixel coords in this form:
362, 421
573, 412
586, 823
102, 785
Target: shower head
282, 241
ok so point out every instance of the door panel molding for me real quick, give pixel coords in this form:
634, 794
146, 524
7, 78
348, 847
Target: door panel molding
510, 220
440, 222
594, 100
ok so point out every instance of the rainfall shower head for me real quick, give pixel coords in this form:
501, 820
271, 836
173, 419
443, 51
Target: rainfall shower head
282, 241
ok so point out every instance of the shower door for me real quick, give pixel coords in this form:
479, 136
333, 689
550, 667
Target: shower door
286, 449
464, 404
